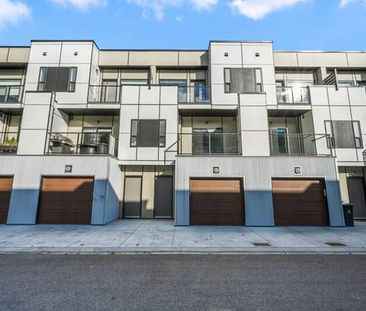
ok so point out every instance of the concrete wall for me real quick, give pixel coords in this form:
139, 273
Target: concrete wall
257, 173
142, 102
28, 172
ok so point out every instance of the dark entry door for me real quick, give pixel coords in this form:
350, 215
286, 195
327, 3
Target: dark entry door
356, 191
163, 201
132, 197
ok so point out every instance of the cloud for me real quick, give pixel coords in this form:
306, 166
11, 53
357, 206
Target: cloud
12, 12
82, 5
157, 7
343, 3
257, 9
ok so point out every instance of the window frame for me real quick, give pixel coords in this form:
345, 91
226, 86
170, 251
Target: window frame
227, 85
331, 142
71, 85
161, 138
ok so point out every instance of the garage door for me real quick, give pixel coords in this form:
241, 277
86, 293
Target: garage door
6, 184
299, 202
216, 202
66, 200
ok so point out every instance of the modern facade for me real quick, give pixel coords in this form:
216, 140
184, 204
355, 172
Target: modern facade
238, 134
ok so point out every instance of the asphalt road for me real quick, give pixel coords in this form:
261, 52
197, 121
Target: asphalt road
182, 282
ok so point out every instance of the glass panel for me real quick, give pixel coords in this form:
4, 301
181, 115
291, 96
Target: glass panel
73, 72
42, 74
134, 126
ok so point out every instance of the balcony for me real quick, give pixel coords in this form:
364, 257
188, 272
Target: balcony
293, 95
86, 143
299, 144
8, 142
194, 95
11, 93
104, 94
208, 144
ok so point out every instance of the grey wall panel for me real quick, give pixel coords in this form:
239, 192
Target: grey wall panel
28, 171
257, 173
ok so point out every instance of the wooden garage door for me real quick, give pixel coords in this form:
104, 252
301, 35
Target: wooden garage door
216, 202
299, 202
66, 200
6, 184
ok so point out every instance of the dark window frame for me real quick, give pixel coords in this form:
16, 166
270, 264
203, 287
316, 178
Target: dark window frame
71, 85
331, 141
227, 86
161, 138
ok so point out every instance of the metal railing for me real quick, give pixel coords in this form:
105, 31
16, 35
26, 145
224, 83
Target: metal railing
86, 143
299, 144
209, 144
293, 95
194, 94
11, 93
9, 142
104, 94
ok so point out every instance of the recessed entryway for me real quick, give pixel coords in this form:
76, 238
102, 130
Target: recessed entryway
6, 184
66, 200
356, 192
216, 202
299, 202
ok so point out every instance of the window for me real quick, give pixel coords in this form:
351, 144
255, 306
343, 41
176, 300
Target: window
10, 90
344, 134
148, 133
243, 80
57, 79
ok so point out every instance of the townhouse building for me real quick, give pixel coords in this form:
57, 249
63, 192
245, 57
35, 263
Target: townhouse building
238, 134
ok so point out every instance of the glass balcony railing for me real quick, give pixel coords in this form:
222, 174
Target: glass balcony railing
11, 93
9, 142
194, 94
104, 94
293, 95
208, 144
86, 143
298, 144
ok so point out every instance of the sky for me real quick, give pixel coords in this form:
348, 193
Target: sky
326, 25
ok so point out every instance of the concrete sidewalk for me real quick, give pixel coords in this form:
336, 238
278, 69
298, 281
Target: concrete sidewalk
160, 236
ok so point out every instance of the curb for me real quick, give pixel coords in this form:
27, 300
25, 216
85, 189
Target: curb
183, 250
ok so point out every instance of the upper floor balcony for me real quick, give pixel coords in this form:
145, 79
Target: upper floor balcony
9, 142
206, 143
104, 94
293, 95
283, 143
83, 143
198, 94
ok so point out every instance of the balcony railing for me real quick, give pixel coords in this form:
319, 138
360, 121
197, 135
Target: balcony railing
87, 143
208, 144
104, 94
194, 94
8, 142
293, 95
298, 144
11, 93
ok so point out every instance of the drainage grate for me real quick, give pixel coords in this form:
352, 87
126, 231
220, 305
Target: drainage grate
337, 244
261, 244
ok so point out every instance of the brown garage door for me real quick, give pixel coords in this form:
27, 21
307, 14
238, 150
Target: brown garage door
299, 202
66, 200
216, 202
6, 184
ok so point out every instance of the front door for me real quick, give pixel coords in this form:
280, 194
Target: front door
132, 197
163, 199
356, 192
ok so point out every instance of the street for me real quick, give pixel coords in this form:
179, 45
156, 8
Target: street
182, 282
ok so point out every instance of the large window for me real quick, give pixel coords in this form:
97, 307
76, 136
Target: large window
57, 79
10, 90
148, 133
344, 134
243, 80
